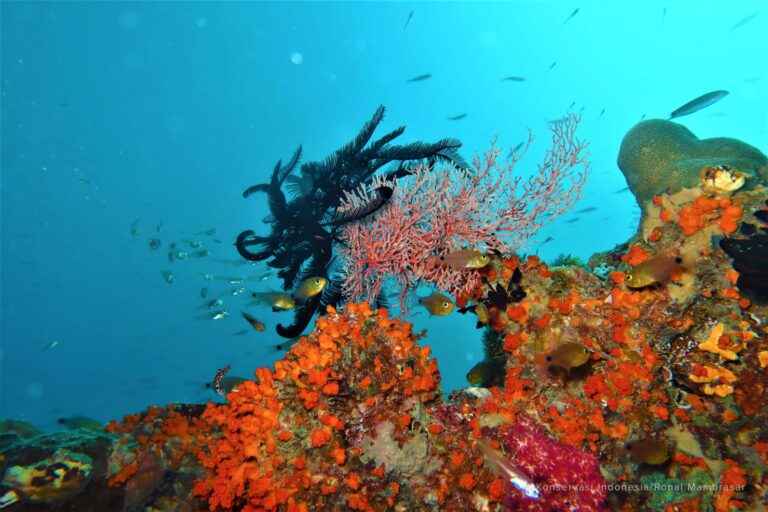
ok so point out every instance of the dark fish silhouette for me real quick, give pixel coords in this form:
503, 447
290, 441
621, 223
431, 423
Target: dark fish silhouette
699, 103
419, 78
574, 13
410, 17
513, 79
744, 21
587, 210
458, 117
621, 190
601, 113
571, 221
516, 148
550, 67
663, 14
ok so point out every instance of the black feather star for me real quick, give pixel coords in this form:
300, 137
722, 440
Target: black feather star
304, 229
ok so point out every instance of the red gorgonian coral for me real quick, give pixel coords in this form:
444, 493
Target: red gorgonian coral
437, 211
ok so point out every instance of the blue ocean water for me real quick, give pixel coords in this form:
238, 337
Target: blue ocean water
121, 114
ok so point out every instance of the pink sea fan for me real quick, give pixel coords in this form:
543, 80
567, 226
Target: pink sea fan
437, 211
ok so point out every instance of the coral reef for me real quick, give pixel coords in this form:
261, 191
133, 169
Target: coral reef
305, 228
667, 411
659, 156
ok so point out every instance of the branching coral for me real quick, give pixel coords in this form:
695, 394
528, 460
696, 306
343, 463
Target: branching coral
437, 211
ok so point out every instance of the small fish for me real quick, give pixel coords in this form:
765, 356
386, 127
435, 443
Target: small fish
53, 344
516, 148
207, 277
80, 422
213, 304
220, 315
511, 473
168, 276
549, 239
287, 344
573, 104
587, 210
437, 304
642, 117
663, 14
264, 276
486, 374
181, 255
481, 310
154, 243
208, 232
657, 270
194, 244
259, 326
241, 333
744, 21
574, 13
171, 252
309, 287
568, 355
462, 259
458, 117
551, 66
621, 190
648, 451
279, 301
410, 17
237, 291
699, 103
159, 227
601, 113
571, 221
202, 253
419, 78
204, 292
135, 229
513, 79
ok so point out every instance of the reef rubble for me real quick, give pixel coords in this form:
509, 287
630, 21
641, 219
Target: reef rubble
352, 418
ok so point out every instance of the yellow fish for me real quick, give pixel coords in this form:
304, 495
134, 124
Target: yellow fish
309, 287
481, 310
569, 355
76, 422
653, 271
485, 374
279, 301
648, 451
437, 304
461, 259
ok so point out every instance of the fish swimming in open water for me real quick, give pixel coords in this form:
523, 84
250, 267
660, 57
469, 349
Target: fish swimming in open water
437, 304
699, 103
574, 13
419, 78
458, 117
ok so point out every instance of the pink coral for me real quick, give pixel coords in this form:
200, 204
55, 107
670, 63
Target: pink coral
568, 478
436, 211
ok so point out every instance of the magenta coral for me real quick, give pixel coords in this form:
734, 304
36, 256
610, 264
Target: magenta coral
436, 211
567, 478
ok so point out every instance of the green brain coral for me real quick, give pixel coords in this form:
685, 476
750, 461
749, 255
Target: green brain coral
661, 156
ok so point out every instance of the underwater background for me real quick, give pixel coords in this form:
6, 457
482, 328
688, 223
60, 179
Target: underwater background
123, 122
